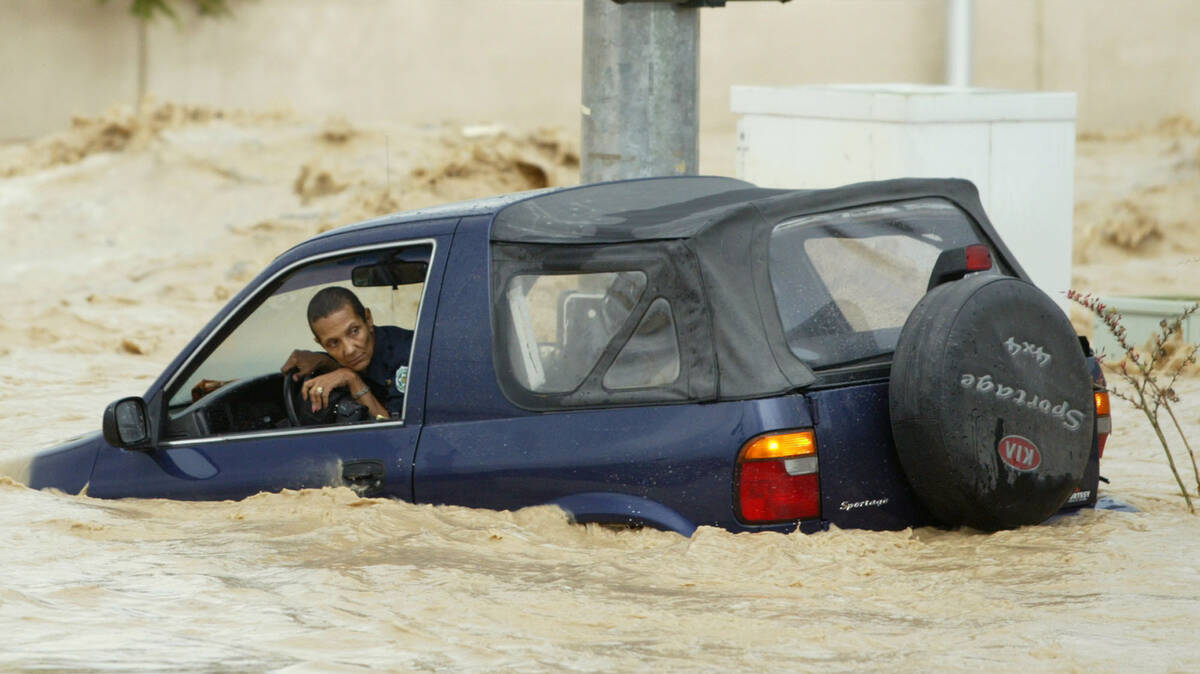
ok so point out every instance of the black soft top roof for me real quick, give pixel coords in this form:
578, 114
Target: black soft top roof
705, 245
685, 206
632, 210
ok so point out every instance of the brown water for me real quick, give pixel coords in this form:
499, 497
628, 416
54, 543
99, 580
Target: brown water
102, 285
322, 578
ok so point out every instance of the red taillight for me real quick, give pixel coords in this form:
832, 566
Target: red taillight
979, 258
769, 494
778, 478
1103, 419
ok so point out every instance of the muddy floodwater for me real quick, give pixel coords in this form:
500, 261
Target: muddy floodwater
323, 580
116, 256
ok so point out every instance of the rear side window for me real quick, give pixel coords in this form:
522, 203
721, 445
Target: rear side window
845, 282
561, 325
651, 356
600, 325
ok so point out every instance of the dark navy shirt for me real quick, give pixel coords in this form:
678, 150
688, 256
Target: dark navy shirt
387, 373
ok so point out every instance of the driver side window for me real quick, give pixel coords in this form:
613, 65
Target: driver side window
235, 383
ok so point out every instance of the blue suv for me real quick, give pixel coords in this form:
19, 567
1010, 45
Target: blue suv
667, 352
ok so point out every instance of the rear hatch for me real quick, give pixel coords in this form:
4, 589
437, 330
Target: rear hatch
844, 283
862, 483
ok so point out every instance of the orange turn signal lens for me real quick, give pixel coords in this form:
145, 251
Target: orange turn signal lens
780, 446
1102, 404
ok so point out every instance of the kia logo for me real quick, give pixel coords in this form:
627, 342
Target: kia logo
1019, 453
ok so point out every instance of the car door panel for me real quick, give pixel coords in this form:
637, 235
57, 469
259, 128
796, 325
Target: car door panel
236, 467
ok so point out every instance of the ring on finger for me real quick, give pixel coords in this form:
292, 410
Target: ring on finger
320, 390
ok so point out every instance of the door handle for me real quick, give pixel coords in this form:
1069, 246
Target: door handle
364, 476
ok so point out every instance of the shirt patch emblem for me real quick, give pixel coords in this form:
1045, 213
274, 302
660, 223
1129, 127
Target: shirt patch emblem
401, 379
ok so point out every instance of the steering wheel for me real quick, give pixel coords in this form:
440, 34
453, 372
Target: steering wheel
299, 410
342, 409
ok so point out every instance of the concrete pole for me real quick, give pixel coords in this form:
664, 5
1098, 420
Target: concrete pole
960, 21
640, 82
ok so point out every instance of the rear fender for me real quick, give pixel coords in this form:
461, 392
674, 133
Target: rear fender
611, 508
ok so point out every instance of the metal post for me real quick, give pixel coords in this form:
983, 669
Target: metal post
960, 22
640, 82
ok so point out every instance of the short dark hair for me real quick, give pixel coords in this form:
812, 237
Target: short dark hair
329, 300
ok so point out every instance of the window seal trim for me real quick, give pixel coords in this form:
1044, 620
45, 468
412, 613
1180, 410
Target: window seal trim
217, 439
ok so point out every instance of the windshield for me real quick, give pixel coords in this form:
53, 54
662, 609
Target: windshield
845, 282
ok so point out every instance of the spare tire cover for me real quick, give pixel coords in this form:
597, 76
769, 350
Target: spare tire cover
991, 403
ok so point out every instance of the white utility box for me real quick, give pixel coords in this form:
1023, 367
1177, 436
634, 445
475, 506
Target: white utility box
1018, 148
1141, 317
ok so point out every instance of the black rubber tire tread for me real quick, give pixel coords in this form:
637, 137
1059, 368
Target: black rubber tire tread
949, 422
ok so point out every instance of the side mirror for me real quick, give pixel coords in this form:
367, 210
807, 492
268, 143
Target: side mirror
126, 425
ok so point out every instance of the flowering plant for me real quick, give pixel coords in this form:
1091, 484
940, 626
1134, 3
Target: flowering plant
1149, 377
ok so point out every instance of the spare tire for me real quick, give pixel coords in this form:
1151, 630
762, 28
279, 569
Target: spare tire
991, 403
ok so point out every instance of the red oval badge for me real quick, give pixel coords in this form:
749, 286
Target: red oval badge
1019, 453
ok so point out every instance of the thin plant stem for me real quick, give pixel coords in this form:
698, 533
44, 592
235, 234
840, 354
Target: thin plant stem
1186, 444
1170, 460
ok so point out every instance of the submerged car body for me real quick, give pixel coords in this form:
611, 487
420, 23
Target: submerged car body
669, 352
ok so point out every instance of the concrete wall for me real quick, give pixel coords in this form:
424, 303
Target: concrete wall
58, 58
411, 60
1130, 61
518, 61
